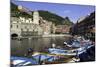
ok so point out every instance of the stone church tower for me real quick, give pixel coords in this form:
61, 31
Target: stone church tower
36, 17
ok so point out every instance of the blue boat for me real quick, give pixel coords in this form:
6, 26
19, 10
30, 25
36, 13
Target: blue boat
43, 57
23, 61
77, 51
34, 60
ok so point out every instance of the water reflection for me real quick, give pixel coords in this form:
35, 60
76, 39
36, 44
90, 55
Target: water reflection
19, 48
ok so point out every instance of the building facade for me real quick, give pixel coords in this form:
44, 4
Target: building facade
62, 29
85, 26
29, 26
29, 23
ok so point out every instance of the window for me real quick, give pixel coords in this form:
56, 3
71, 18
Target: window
11, 26
21, 29
25, 27
17, 26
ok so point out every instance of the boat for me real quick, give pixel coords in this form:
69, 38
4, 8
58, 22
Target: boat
22, 61
81, 48
56, 55
53, 58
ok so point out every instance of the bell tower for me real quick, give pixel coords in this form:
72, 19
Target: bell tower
36, 17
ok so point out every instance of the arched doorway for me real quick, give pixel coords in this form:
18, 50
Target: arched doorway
14, 35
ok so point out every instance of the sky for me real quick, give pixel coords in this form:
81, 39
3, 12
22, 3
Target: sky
73, 11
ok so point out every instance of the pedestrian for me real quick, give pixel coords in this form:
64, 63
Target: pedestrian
30, 52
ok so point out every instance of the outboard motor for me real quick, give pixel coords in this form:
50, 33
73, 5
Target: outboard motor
65, 43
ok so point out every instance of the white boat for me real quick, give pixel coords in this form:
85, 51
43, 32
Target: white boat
74, 52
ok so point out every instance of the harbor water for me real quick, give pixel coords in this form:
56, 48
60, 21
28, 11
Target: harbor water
40, 44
